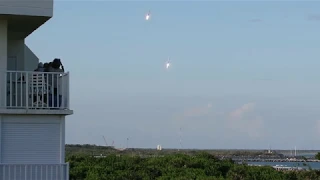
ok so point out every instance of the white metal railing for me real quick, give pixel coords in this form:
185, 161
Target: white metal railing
34, 171
36, 90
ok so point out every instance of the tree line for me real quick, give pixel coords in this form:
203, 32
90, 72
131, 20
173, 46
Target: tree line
202, 166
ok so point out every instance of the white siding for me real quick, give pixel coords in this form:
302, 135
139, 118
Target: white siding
25, 142
32, 139
27, 7
34, 171
25, 59
16, 50
30, 59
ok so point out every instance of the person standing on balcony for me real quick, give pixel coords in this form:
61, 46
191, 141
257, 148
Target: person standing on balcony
55, 66
46, 67
54, 83
40, 67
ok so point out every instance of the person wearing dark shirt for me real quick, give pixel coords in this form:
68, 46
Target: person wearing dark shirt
40, 67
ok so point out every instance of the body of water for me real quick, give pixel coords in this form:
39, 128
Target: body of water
313, 165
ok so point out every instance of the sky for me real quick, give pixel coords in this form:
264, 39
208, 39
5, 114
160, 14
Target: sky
244, 74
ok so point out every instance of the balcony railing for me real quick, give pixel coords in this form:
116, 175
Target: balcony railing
36, 90
34, 171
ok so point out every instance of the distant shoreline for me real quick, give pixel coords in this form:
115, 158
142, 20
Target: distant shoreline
195, 149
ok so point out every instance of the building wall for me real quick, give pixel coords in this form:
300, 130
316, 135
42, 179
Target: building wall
32, 139
20, 56
16, 55
27, 7
3, 43
3, 58
30, 59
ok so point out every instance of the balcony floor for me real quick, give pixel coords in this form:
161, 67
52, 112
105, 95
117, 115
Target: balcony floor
37, 111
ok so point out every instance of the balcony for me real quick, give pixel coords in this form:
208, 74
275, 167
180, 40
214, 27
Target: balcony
34, 171
40, 8
36, 91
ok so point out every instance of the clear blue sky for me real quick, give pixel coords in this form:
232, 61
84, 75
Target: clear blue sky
244, 74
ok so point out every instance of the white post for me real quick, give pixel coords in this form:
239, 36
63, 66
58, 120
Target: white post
3, 61
67, 173
68, 90
0, 140
63, 91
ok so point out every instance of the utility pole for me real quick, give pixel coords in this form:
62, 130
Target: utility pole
127, 142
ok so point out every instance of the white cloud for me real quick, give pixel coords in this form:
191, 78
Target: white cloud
245, 120
194, 112
201, 118
240, 112
211, 121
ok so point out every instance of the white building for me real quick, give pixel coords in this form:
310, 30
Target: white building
32, 127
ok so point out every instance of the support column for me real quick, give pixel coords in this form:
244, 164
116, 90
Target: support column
0, 138
3, 60
62, 139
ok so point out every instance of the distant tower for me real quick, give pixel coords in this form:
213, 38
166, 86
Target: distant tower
33, 105
180, 138
269, 151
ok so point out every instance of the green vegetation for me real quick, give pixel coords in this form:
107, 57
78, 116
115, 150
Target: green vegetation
318, 156
97, 150
121, 165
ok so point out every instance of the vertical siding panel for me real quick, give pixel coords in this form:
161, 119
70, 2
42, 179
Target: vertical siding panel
30, 143
28, 140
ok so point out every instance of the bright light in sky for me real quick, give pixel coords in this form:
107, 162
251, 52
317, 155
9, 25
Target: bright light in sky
167, 65
148, 16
